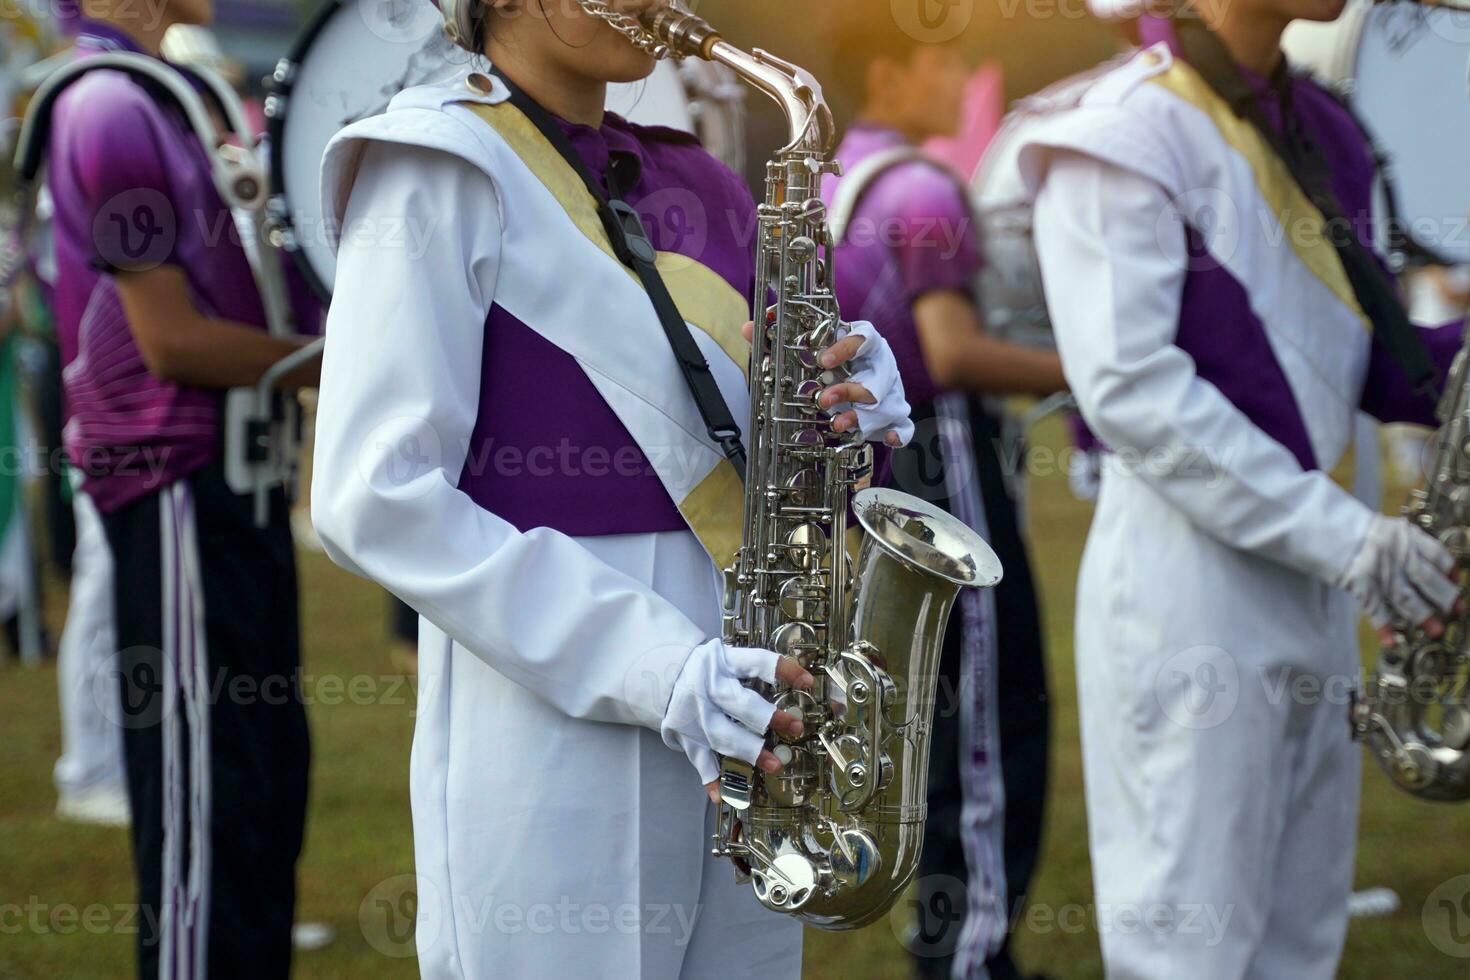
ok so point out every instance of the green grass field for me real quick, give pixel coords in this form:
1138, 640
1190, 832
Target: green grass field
59, 883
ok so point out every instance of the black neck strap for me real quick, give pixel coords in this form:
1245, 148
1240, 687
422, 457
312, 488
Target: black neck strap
1375, 290
630, 243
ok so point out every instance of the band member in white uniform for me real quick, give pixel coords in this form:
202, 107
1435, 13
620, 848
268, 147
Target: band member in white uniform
505, 442
90, 783
1219, 346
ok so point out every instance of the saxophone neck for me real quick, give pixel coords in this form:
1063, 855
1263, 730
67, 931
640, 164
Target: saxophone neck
793, 88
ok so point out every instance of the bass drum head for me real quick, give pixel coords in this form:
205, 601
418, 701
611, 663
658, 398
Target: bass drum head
1012, 297
1406, 67
348, 63
1012, 300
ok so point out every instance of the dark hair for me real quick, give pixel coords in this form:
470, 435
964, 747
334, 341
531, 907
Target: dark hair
865, 33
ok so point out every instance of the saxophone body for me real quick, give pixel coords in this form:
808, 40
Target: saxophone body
1414, 714
834, 837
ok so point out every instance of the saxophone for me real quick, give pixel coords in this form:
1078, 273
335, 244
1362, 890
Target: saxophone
834, 837
1414, 714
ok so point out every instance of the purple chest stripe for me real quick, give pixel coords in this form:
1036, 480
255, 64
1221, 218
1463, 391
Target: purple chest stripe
546, 450
1228, 342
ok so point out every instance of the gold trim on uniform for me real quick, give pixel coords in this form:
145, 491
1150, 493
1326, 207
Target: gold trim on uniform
714, 508
703, 296
1280, 190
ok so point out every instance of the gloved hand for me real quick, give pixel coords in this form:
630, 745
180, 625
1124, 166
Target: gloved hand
871, 399
1401, 571
874, 370
712, 713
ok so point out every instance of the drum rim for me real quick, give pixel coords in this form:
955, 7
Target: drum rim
1342, 76
280, 91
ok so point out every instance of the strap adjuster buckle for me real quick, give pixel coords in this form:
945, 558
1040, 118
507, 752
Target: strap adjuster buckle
728, 439
629, 237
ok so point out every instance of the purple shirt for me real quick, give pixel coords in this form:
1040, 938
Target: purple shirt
133, 191
546, 450
910, 234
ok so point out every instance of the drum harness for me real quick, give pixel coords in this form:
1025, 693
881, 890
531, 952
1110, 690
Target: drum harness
261, 426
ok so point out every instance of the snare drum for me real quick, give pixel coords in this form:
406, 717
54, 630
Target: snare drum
1403, 66
355, 55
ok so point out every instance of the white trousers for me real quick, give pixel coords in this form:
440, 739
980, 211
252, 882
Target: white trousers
549, 847
1222, 786
91, 742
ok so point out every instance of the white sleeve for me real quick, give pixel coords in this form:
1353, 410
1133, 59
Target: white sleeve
400, 392
1114, 284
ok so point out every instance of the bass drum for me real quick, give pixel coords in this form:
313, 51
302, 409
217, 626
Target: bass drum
1012, 300
1404, 69
355, 55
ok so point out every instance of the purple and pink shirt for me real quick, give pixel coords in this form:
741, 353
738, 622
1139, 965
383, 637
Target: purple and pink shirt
911, 233
546, 449
133, 190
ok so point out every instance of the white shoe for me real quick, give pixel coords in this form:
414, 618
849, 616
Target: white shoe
312, 935
1373, 903
98, 807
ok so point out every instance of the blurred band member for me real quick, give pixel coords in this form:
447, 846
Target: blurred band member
910, 260
1224, 362
158, 314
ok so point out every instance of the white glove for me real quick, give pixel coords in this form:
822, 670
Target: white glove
1400, 571
875, 369
712, 713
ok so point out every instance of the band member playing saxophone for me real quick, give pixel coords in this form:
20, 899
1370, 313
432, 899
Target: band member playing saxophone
1202, 224
506, 442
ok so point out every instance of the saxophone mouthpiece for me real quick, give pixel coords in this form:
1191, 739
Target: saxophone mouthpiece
686, 34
